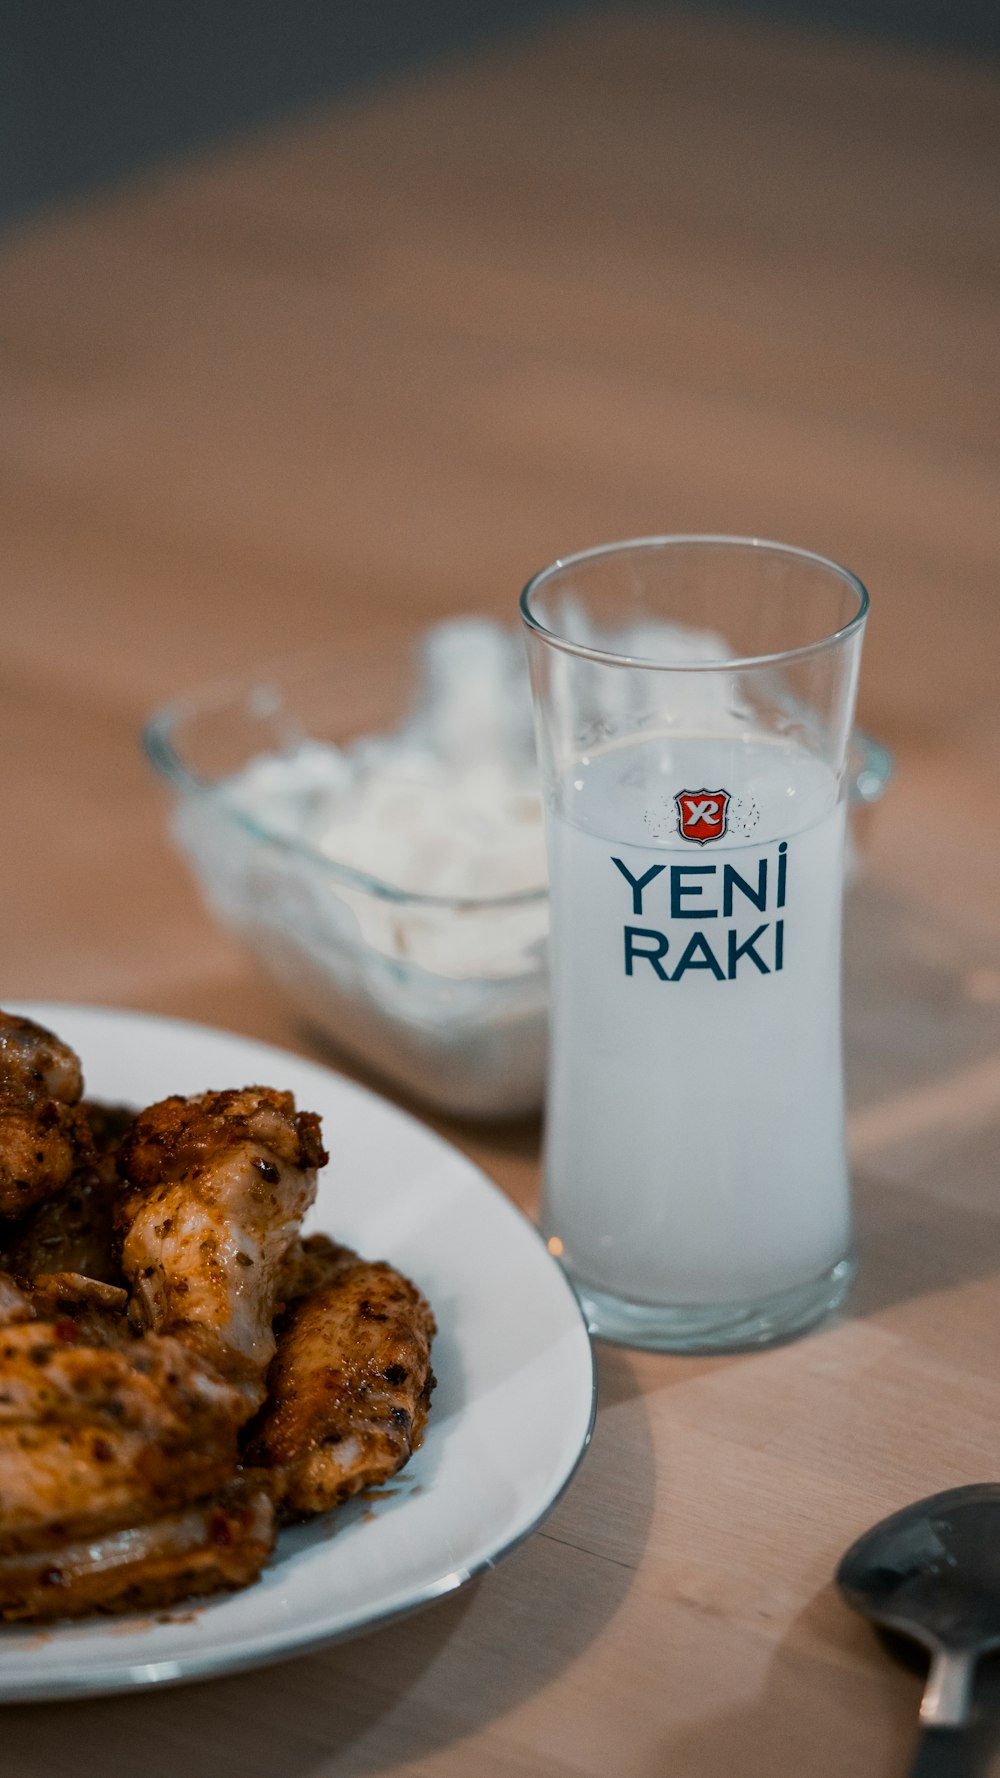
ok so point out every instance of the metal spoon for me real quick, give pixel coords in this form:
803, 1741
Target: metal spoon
932, 1572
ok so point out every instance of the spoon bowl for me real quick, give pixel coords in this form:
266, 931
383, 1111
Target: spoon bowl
932, 1572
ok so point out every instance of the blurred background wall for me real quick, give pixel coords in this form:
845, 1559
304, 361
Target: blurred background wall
502, 281
90, 91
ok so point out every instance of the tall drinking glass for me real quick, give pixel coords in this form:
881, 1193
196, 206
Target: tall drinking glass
694, 697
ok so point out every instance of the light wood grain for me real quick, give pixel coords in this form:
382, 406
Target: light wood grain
644, 272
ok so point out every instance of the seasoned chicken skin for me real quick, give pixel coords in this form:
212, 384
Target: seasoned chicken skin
99, 1430
350, 1384
36, 1062
217, 1544
73, 1231
44, 1135
70, 1232
215, 1189
98, 1309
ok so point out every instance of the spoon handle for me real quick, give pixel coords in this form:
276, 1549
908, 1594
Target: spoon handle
941, 1754
948, 1692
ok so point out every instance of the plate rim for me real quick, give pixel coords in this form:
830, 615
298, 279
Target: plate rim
208, 1664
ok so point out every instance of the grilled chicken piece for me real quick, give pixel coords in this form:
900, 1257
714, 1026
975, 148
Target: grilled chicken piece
71, 1232
44, 1134
38, 1063
74, 1230
350, 1385
100, 1430
215, 1189
218, 1544
97, 1309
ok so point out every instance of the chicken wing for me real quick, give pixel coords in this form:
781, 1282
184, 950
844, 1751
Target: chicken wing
44, 1134
215, 1189
98, 1429
220, 1543
37, 1062
73, 1231
97, 1309
350, 1384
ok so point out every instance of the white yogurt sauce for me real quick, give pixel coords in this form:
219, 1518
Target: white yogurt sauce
448, 806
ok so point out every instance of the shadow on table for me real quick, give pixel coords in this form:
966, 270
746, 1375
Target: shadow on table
922, 1040
838, 1698
921, 997
396, 1695
912, 1244
830, 1703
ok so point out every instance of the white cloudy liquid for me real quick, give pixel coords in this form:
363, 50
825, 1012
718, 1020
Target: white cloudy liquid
695, 1146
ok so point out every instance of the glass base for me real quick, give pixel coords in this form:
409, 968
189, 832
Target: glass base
717, 1327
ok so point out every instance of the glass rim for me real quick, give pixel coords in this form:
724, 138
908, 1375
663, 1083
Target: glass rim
734, 663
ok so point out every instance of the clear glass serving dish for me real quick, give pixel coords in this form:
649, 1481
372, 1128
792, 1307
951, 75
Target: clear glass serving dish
443, 995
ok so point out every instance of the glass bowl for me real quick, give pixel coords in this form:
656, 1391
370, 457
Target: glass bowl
445, 996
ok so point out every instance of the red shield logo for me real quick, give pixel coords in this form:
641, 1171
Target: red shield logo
701, 814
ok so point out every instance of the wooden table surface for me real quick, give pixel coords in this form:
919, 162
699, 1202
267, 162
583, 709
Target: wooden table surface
641, 272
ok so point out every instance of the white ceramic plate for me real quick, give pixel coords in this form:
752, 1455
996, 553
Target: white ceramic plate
510, 1418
